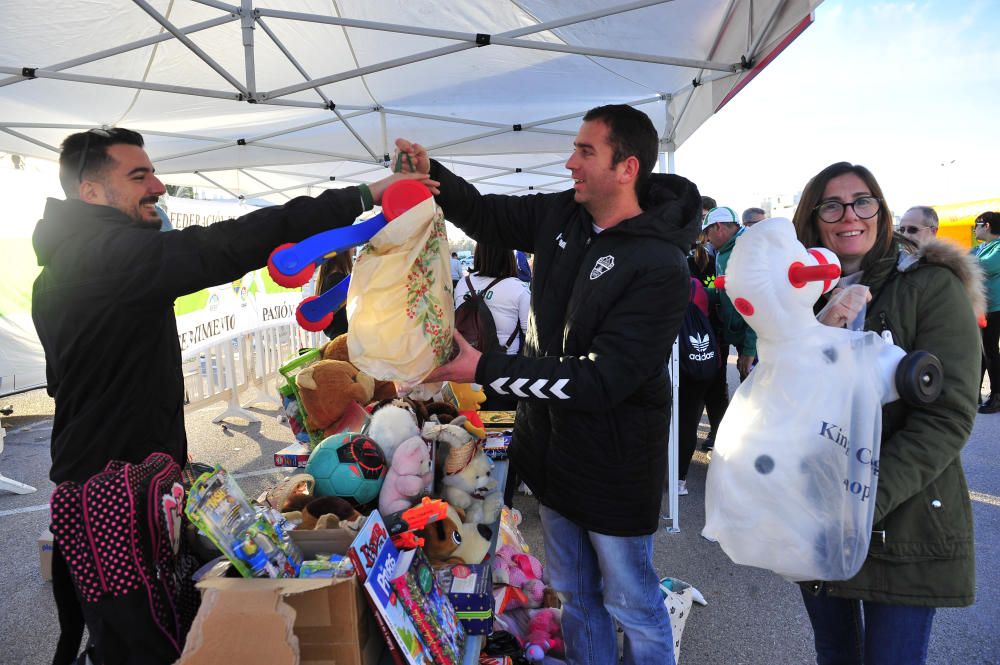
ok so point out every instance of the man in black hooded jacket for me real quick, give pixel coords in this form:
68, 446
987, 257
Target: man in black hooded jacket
609, 290
103, 309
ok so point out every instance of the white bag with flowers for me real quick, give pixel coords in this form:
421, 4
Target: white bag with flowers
400, 304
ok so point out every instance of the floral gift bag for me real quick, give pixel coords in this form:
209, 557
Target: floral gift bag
400, 304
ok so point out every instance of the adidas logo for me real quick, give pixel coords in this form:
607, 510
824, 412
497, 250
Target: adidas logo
699, 342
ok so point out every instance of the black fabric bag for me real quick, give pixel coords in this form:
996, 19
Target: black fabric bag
122, 536
474, 319
698, 344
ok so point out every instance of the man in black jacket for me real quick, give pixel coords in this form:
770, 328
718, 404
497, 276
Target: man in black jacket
103, 309
609, 290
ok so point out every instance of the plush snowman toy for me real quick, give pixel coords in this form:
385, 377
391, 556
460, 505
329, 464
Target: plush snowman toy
791, 486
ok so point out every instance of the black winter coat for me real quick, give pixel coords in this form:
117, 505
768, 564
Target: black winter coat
590, 436
103, 309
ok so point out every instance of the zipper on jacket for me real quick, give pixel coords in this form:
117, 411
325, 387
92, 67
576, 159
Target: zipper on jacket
90, 537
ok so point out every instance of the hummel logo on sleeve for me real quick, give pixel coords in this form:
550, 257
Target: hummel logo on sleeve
559, 239
507, 386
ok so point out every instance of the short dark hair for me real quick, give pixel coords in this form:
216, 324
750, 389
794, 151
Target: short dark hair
752, 212
630, 133
992, 220
494, 261
707, 203
930, 215
806, 219
86, 154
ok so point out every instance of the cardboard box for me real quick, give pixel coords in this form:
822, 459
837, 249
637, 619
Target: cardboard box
316, 621
45, 555
295, 455
470, 589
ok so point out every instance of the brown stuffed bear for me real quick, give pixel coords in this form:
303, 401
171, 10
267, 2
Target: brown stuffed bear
336, 349
327, 387
450, 541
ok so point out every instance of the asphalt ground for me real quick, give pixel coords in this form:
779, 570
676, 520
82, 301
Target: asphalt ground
753, 617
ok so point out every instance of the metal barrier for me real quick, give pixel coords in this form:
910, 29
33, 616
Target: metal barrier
247, 363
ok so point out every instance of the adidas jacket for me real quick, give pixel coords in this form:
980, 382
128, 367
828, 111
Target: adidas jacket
590, 437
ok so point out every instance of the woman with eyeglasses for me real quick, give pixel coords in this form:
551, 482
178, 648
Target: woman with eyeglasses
921, 553
987, 230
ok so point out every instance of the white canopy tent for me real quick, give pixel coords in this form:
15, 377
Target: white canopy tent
269, 99
283, 97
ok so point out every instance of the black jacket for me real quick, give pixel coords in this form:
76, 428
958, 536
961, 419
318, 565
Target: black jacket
590, 437
103, 309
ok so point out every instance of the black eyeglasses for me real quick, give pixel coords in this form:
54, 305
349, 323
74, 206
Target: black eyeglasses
104, 133
913, 230
832, 212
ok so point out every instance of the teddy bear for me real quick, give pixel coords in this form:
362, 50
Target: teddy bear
327, 388
451, 541
394, 421
336, 349
325, 512
409, 475
544, 635
473, 490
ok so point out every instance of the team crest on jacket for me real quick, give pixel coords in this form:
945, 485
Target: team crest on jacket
604, 264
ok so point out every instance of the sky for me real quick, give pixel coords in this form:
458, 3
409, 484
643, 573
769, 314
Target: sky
910, 90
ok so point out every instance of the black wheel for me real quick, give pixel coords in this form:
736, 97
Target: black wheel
919, 378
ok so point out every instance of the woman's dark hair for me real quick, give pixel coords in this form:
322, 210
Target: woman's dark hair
492, 261
806, 220
700, 254
992, 220
336, 268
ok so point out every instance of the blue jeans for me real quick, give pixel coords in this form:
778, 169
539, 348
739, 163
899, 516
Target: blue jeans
600, 578
854, 632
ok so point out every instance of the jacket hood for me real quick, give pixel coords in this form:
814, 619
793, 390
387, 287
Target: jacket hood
64, 220
965, 266
671, 207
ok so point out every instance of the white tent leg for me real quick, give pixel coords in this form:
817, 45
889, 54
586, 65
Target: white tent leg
9, 484
233, 410
672, 517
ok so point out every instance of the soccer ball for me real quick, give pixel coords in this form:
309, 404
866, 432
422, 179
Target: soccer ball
349, 465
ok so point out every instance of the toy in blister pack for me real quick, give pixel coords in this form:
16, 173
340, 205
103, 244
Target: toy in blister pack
255, 541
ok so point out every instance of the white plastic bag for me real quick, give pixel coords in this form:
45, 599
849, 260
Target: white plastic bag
791, 486
400, 301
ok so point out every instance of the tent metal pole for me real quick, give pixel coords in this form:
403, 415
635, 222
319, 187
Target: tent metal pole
617, 55
367, 25
298, 128
468, 139
200, 151
246, 21
24, 137
219, 5
778, 8
256, 179
494, 166
296, 174
282, 190
443, 118
217, 185
126, 83
194, 48
322, 95
445, 50
125, 48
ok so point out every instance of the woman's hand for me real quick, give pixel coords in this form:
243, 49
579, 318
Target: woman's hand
844, 305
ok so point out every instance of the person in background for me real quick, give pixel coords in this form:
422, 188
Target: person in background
523, 266
707, 203
590, 439
753, 215
103, 307
987, 229
919, 224
331, 273
509, 301
456, 270
701, 264
921, 554
723, 230
691, 395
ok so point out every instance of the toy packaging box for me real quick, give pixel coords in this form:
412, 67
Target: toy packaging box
315, 621
470, 589
295, 455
